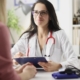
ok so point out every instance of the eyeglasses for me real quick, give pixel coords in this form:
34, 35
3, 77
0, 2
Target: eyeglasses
42, 13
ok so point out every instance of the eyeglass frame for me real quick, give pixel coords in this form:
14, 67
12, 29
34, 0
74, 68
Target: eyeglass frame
42, 13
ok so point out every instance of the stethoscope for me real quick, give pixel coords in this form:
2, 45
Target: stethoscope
49, 42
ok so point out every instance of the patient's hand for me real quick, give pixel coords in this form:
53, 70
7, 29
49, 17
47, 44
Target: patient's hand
27, 71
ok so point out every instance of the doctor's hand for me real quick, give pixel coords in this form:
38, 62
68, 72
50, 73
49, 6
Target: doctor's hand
17, 55
50, 66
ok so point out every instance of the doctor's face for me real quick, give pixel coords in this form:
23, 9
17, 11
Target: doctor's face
40, 15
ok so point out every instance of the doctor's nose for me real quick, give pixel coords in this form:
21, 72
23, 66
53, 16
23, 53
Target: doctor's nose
39, 14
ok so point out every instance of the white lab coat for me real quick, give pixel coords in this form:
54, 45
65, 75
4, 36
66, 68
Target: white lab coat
61, 52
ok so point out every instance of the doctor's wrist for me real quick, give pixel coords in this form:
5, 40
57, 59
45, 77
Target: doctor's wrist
59, 66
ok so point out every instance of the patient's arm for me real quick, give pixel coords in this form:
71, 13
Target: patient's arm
6, 69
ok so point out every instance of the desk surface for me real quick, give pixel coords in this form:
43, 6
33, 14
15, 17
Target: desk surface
47, 76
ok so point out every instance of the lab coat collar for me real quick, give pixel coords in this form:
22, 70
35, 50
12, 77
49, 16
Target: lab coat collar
32, 46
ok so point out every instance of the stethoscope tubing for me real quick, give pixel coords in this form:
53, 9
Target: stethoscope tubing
28, 50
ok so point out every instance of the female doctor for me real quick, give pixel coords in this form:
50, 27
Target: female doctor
46, 39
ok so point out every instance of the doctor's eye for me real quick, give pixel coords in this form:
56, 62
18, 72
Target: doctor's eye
35, 12
41, 13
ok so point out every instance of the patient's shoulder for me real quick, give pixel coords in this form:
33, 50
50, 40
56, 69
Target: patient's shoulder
3, 31
3, 27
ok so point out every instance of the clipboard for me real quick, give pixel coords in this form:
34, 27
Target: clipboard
33, 60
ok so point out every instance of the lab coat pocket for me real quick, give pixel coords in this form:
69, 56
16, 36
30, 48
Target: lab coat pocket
55, 54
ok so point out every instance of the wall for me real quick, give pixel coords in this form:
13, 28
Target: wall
64, 16
24, 20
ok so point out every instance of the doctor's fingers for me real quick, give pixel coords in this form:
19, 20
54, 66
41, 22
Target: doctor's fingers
44, 63
19, 54
46, 68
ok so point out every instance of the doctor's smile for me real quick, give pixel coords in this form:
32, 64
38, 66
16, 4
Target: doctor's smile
45, 38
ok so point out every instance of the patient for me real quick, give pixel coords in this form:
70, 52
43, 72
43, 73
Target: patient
25, 72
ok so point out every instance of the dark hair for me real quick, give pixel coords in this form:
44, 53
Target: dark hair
53, 23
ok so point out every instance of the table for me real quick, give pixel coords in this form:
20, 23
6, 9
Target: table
47, 76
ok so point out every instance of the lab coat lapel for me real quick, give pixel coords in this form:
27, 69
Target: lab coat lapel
49, 44
32, 45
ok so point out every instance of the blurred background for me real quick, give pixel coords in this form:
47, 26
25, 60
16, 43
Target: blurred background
68, 13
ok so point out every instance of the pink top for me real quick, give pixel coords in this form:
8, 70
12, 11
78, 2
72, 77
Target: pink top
6, 70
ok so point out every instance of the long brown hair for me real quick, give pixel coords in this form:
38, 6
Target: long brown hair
53, 23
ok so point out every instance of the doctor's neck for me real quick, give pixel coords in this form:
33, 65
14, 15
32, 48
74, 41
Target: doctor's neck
42, 32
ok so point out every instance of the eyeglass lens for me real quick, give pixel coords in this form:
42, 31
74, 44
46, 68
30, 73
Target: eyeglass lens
42, 13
